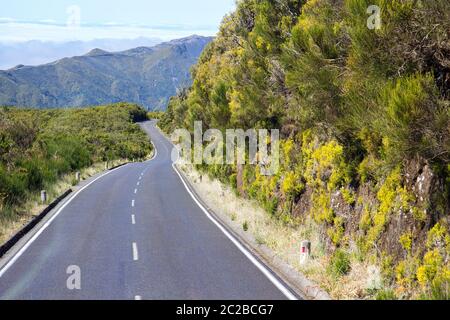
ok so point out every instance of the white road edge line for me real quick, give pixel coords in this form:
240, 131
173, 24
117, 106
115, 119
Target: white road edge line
252, 259
47, 224
133, 219
156, 151
261, 267
135, 252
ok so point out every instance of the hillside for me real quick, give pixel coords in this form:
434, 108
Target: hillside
38, 148
364, 117
144, 75
37, 52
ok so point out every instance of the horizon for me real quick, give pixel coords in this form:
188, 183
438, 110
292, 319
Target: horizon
52, 30
140, 42
86, 20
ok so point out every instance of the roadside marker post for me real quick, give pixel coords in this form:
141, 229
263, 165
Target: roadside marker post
78, 176
43, 196
305, 251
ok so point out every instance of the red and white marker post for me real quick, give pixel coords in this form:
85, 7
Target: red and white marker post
305, 251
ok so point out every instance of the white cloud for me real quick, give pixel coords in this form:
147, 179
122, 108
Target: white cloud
11, 31
49, 21
6, 19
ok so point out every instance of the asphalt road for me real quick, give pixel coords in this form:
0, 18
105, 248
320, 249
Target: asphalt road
135, 233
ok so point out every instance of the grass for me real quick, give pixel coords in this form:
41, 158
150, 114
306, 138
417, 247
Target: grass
339, 264
13, 219
285, 239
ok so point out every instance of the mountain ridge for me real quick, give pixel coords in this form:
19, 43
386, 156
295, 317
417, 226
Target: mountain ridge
148, 76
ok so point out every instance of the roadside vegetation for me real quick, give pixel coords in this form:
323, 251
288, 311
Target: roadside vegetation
156, 115
41, 149
365, 122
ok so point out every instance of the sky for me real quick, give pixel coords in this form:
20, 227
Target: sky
69, 20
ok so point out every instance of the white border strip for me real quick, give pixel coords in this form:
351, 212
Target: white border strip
155, 154
135, 252
47, 224
252, 259
258, 264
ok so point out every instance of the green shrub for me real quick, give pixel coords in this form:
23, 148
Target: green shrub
339, 263
34, 179
39, 146
412, 119
353, 106
386, 294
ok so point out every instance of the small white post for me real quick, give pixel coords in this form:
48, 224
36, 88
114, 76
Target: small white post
106, 165
78, 176
305, 251
43, 196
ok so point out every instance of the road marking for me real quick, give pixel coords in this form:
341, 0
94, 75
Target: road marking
137, 298
135, 191
138, 183
132, 203
258, 264
133, 219
277, 283
135, 252
165, 148
155, 154
140, 178
47, 224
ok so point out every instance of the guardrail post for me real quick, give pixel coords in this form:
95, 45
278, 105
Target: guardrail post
305, 251
43, 196
78, 176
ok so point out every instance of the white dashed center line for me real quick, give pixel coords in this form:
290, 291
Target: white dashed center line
135, 252
133, 219
138, 183
135, 191
137, 298
132, 203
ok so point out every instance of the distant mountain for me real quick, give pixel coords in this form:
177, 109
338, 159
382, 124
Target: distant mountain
36, 52
145, 75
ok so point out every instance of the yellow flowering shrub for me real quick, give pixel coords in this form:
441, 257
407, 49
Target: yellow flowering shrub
292, 186
321, 207
348, 196
432, 263
336, 233
327, 161
392, 197
434, 273
406, 241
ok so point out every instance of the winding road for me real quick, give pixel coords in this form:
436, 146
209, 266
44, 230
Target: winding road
135, 232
